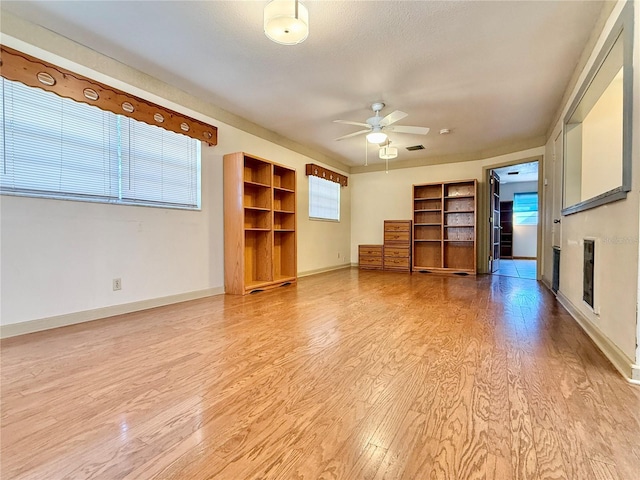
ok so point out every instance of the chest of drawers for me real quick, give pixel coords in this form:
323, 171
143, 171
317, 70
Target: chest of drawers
397, 245
370, 257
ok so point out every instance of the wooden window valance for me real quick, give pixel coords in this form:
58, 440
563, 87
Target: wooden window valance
318, 171
23, 68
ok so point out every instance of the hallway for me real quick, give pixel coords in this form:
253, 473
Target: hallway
517, 269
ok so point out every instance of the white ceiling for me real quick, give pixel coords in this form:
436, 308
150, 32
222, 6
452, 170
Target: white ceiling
492, 72
523, 172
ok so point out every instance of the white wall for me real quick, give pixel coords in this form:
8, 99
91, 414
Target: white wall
379, 196
573, 165
525, 241
508, 189
525, 237
615, 227
59, 257
601, 160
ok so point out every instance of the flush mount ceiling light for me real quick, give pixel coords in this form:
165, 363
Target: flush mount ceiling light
388, 153
286, 22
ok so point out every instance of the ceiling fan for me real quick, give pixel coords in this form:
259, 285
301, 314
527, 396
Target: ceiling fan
378, 127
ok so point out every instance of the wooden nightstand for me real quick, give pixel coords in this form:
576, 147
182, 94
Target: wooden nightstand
370, 257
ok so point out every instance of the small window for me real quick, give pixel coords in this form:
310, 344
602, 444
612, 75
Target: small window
54, 147
525, 208
324, 199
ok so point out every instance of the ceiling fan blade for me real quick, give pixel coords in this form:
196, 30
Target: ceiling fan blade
353, 134
393, 117
349, 122
408, 129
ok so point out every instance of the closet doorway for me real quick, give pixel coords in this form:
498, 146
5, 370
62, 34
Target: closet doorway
515, 246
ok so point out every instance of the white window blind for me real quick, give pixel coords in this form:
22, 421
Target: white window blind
56, 147
324, 199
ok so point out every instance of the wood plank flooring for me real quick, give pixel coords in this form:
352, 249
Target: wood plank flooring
348, 375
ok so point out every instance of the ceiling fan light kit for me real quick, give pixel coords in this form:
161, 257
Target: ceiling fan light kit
377, 126
388, 153
286, 22
376, 136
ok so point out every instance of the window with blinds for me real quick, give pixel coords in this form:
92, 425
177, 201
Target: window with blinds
58, 148
324, 199
525, 208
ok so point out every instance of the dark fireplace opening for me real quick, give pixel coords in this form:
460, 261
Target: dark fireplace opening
587, 279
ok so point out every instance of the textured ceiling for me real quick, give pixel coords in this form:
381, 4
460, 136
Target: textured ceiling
492, 72
524, 172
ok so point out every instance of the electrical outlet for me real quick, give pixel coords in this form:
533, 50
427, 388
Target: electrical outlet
117, 284
338, 254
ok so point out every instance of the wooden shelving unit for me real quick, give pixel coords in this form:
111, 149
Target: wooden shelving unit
259, 224
444, 227
506, 229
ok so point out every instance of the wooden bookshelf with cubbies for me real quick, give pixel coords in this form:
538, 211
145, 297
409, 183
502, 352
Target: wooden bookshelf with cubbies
259, 224
444, 227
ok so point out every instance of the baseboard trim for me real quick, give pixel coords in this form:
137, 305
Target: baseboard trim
323, 270
617, 357
524, 258
48, 323
41, 324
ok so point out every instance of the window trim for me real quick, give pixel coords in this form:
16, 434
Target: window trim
317, 171
23, 68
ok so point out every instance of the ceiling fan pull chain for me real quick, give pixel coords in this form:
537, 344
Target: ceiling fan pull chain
366, 151
386, 159
377, 129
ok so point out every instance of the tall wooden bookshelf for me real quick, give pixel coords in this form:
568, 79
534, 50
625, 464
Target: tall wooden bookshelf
444, 227
259, 224
506, 229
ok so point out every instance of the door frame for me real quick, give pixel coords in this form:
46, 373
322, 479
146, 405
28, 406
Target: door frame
485, 212
494, 218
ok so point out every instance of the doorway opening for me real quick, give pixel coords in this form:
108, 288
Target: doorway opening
514, 218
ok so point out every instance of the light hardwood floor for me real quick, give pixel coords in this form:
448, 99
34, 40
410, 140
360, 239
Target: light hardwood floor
518, 268
348, 375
